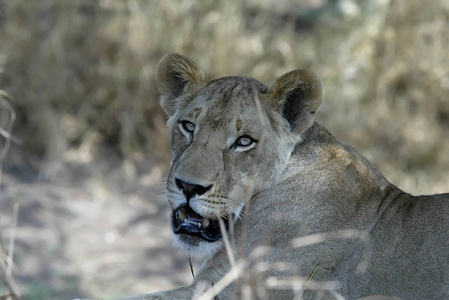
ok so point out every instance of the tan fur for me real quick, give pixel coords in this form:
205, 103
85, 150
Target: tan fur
317, 204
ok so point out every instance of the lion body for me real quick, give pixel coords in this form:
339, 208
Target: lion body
308, 214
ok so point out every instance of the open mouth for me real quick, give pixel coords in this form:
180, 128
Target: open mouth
186, 221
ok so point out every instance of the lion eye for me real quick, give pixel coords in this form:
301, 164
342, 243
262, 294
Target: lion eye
187, 127
244, 142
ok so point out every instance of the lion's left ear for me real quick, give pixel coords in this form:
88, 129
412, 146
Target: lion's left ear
176, 75
297, 95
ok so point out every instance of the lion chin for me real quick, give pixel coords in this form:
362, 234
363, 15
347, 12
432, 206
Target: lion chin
195, 246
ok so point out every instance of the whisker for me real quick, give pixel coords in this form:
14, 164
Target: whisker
170, 193
233, 205
163, 183
161, 191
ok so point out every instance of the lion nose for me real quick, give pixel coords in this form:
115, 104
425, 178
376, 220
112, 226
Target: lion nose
190, 189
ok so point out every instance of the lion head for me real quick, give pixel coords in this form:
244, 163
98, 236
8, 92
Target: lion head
230, 139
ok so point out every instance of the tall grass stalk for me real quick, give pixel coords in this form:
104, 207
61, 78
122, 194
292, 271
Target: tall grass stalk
6, 260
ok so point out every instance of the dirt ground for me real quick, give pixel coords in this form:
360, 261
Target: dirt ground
96, 230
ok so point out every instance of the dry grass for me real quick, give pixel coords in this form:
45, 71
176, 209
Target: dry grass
84, 72
9, 286
8, 117
250, 273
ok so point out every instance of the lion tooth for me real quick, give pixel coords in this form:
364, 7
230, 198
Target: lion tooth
205, 223
182, 215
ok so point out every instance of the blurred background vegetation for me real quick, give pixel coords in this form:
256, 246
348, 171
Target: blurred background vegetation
82, 74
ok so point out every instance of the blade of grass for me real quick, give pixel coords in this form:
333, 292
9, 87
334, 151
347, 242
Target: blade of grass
6, 102
6, 261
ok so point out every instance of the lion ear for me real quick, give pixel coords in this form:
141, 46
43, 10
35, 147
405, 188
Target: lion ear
176, 75
297, 95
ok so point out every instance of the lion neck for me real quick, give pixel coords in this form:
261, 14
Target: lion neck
333, 172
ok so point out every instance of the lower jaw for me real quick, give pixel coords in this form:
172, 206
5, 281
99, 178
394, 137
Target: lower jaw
192, 241
192, 234
196, 247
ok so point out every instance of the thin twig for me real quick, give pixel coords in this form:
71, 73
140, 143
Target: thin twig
313, 239
6, 261
299, 283
7, 135
8, 281
232, 275
191, 267
226, 242
308, 281
12, 239
6, 101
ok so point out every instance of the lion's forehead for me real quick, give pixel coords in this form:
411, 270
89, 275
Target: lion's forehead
228, 101
235, 86
231, 90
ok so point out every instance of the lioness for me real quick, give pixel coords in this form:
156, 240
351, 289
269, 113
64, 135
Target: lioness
255, 183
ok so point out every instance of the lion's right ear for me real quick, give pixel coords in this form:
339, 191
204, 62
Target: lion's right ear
176, 75
296, 96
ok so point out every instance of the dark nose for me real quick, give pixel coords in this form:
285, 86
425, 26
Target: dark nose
190, 189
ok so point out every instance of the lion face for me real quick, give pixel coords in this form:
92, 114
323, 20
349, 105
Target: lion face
229, 140
223, 153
